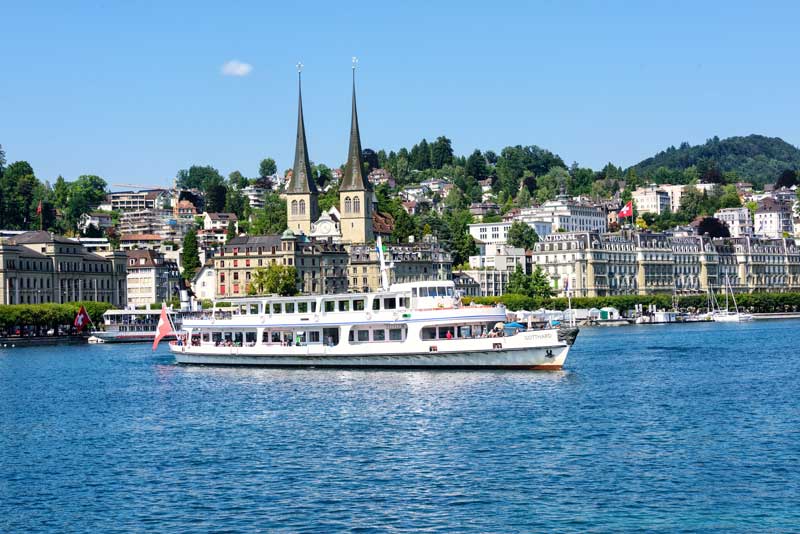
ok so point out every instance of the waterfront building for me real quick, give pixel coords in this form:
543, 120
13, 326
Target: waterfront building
412, 262
151, 278
38, 267
321, 266
645, 263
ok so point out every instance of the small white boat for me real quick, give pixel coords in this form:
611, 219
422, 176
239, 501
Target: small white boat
727, 315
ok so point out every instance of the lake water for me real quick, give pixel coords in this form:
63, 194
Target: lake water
652, 428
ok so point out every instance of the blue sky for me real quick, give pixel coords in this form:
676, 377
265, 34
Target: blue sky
134, 91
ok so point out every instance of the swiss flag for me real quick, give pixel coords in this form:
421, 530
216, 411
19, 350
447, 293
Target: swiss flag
81, 320
627, 211
164, 327
39, 208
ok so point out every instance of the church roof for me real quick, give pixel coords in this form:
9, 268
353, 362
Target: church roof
353, 178
302, 180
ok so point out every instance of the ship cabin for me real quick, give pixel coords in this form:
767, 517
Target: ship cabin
328, 319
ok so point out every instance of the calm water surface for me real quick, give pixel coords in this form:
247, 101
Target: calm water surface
661, 428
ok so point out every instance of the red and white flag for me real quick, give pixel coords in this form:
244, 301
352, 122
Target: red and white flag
39, 208
164, 327
627, 211
81, 320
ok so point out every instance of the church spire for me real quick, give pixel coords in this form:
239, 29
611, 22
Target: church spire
354, 179
302, 180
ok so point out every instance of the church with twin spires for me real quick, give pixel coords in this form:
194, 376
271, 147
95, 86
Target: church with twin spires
353, 223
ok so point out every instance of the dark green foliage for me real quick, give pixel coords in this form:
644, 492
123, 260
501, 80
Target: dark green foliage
274, 280
271, 219
788, 178
750, 302
47, 316
267, 168
190, 255
441, 152
754, 158
713, 227
522, 235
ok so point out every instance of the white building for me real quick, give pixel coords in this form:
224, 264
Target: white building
773, 219
497, 232
499, 257
151, 278
652, 200
566, 215
256, 196
738, 221
218, 222
204, 283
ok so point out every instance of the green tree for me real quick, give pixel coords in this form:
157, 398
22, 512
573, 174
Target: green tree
230, 233
730, 197
267, 168
540, 284
404, 226
441, 152
274, 280
190, 255
237, 180
85, 194
236, 202
549, 184
476, 166
271, 219
421, 156
522, 235
199, 177
518, 282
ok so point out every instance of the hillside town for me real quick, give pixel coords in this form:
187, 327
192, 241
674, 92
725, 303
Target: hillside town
297, 233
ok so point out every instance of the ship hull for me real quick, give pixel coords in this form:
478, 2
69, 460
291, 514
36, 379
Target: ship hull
538, 358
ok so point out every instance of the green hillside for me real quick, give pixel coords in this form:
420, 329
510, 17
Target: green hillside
754, 158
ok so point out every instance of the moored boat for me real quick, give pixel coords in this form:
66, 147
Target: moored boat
131, 326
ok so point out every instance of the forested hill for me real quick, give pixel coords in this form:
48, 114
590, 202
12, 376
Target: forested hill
754, 158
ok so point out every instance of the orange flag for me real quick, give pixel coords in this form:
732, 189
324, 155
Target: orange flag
164, 327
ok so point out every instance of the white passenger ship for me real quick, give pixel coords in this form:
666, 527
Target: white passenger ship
131, 326
410, 325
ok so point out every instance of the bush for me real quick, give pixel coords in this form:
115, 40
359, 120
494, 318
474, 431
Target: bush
754, 302
50, 315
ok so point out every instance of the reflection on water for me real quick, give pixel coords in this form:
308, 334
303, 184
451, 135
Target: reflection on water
675, 428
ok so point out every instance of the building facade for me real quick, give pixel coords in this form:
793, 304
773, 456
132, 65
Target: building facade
151, 278
39, 267
738, 221
593, 264
321, 266
411, 262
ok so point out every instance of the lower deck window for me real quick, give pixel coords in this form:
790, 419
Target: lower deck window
379, 335
363, 335
395, 334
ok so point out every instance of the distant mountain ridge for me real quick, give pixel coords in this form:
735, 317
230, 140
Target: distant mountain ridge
755, 158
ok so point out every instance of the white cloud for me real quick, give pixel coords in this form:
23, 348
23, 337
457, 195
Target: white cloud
235, 67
